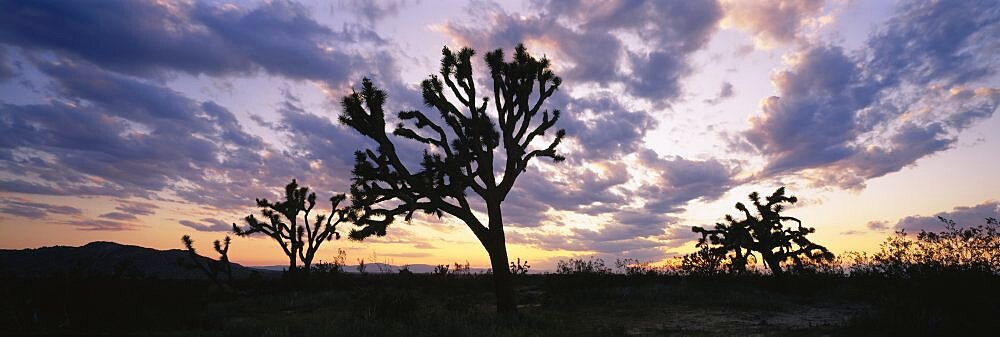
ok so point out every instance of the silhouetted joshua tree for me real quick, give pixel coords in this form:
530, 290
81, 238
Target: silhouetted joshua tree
299, 241
764, 234
214, 268
519, 268
461, 158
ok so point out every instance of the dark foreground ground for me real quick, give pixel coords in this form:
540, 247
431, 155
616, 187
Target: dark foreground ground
550, 305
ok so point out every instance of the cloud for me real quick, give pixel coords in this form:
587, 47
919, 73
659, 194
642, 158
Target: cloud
6, 70
110, 134
130, 210
813, 121
941, 42
962, 215
680, 181
679, 236
877, 225
136, 207
373, 11
591, 190
589, 38
105, 133
147, 37
208, 225
317, 139
725, 92
101, 225
627, 224
36, 210
641, 248
603, 126
118, 216
644, 232
841, 120
771, 22
602, 130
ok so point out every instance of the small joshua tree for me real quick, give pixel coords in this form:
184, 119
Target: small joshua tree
764, 234
213, 268
442, 269
519, 268
299, 241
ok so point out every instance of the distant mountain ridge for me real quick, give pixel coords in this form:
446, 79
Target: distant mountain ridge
110, 259
107, 259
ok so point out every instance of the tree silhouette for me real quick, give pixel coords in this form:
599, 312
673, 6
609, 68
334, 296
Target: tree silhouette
297, 241
213, 268
461, 159
519, 268
764, 234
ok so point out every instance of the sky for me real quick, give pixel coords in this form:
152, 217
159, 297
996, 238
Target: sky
141, 121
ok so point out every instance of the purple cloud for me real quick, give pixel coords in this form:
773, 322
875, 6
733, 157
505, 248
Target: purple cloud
146, 37
6, 70
962, 215
846, 119
645, 249
208, 225
101, 225
681, 181
724, 93
36, 210
135, 137
136, 208
373, 11
603, 126
672, 29
118, 216
877, 225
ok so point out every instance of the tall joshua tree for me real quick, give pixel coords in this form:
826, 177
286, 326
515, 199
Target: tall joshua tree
764, 233
462, 158
299, 241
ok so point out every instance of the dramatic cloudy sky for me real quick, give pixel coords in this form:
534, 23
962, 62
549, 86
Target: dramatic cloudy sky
140, 121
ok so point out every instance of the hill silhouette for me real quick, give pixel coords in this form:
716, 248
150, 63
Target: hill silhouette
107, 259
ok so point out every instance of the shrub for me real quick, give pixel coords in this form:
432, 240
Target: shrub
592, 265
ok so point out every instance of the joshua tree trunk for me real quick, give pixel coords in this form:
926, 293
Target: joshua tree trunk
501, 279
774, 263
306, 264
497, 249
